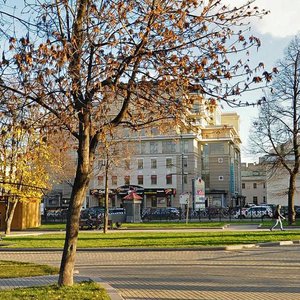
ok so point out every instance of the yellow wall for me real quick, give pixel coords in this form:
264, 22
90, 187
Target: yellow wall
27, 215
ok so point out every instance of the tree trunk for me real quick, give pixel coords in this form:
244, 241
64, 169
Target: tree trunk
80, 186
72, 229
291, 196
9, 215
105, 227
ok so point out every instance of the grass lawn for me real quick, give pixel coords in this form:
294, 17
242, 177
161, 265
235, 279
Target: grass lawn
149, 225
153, 239
85, 290
11, 269
172, 224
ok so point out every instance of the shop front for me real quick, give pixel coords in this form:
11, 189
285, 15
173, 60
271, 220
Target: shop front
159, 197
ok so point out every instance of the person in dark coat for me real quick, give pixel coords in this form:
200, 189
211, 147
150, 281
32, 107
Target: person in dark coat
278, 217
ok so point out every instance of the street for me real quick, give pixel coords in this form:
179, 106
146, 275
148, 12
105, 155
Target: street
263, 273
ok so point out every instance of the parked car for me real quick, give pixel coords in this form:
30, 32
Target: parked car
297, 211
164, 213
255, 212
93, 217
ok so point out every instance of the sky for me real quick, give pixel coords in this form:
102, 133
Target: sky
275, 31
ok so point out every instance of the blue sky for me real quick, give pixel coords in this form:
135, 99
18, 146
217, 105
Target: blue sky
275, 31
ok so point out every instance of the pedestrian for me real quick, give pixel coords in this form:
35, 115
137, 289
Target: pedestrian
278, 217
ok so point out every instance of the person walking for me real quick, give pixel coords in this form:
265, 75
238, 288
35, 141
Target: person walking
278, 217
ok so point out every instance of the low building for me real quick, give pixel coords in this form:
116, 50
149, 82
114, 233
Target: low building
254, 184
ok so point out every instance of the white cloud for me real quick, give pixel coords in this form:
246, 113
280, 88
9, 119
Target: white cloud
283, 19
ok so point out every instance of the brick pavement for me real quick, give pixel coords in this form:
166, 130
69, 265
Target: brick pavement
268, 273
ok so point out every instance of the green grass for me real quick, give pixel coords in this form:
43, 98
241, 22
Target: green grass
153, 239
178, 225
158, 225
82, 291
11, 269
172, 224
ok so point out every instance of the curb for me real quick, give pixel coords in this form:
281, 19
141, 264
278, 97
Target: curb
112, 292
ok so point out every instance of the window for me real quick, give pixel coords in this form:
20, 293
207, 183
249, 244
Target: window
153, 201
169, 163
153, 147
153, 179
153, 163
185, 146
127, 179
254, 185
185, 181
255, 200
100, 180
220, 160
264, 185
196, 107
169, 179
243, 186
217, 148
184, 162
101, 163
140, 179
114, 180
168, 147
264, 199
221, 178
154, 131
140, 163
143, 147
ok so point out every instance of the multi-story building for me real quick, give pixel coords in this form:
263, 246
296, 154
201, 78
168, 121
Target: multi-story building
164, 166
254, 183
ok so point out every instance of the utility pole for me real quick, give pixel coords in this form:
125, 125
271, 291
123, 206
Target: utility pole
182, 173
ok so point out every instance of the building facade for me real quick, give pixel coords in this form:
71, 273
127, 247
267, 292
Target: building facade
164, 166
254, 184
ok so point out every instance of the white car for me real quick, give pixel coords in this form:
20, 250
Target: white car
255, 212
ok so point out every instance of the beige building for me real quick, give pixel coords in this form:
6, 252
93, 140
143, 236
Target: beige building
278, 184
164, 166
254, 184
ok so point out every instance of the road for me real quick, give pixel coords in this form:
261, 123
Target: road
264, 273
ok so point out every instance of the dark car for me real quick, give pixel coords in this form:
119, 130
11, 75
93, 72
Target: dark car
93, 217
164, 213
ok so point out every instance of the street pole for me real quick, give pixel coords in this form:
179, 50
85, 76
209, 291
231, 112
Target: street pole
182, 173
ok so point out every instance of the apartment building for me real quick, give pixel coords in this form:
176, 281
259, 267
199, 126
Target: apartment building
164, 166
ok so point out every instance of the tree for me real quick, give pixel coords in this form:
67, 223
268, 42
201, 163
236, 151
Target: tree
276, 131
114, 150
93, 66
24, 167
